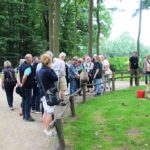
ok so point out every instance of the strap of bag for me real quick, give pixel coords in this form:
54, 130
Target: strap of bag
41, 84
11, 75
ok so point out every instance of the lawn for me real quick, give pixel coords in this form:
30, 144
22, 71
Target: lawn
114, 121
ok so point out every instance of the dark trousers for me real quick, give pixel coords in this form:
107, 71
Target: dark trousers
134, 74
26, 103
36, 98
9, 95
147, 77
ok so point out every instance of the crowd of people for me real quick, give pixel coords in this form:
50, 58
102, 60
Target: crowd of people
52, 72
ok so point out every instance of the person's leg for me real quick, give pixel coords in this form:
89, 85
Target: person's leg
33, 98
37, 100
9, 95
7, 91
146, 78
96, 82
98, 89
27, 103
131, 77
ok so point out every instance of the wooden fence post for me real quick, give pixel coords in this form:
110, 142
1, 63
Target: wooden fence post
73, 113
84, 93
121, 76
113, 81
59, 129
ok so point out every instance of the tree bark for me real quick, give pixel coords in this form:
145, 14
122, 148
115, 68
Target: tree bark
98, 29
56, 28
51, 25
139, 29
90, 28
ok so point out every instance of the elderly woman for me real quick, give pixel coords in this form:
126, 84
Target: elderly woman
146, 69
8, 82
48, 78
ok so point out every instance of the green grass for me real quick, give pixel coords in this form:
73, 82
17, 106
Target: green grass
114, 121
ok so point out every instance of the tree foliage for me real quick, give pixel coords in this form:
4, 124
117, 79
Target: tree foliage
24, 26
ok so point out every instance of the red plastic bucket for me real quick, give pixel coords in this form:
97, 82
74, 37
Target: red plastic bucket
140, 94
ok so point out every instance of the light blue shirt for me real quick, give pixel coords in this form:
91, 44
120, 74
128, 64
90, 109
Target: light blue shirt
28, 71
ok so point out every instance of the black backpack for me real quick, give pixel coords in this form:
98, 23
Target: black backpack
10, 79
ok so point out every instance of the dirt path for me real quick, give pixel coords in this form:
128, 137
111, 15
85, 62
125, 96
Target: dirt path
16, 134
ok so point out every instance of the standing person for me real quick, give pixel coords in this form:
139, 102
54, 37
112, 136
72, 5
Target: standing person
73, 74
97, 75
80, 68
89, 69
48, 78
133, 67
8, 82
146, 69
39, 66
36, 90
26, 82
59, 67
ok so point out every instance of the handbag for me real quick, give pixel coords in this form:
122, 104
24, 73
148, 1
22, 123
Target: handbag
51, 95
19, 91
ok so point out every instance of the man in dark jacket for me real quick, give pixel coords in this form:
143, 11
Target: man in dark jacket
26, 80
133, 67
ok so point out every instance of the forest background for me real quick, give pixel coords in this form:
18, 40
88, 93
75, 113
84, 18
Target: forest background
77, 27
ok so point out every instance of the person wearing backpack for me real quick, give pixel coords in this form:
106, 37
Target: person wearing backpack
8, 82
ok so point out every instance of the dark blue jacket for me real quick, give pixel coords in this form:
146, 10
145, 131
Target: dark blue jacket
48, 77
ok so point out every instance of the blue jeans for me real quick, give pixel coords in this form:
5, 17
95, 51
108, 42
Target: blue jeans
9, 95
147, 77
73, 85
26, 103
36, 98
98, 86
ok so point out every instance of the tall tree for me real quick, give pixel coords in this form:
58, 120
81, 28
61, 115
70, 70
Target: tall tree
98, 28
90, 38
139, 29
56, 28
51, 4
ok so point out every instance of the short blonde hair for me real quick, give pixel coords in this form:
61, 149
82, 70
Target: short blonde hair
46, 60
7, 63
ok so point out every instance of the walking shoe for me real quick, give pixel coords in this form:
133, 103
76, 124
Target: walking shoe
11, 108
49, 133
44, 131
37, 112
30, 119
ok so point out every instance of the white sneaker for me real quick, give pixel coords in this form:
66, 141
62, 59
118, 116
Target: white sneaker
45, 131
11, 108
49, 133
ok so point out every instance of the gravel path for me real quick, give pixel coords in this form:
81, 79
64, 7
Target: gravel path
16, 134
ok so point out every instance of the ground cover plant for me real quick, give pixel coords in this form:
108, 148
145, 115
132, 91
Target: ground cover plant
114, 121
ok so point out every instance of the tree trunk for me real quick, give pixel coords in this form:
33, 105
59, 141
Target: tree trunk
51, 25
98, 28
75, 28
56, 28
139, 29
90, 28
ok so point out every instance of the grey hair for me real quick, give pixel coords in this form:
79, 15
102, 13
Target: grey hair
49, 53
7, 63
62, 54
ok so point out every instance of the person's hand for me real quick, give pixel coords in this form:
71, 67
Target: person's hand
20, 85
78, 76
